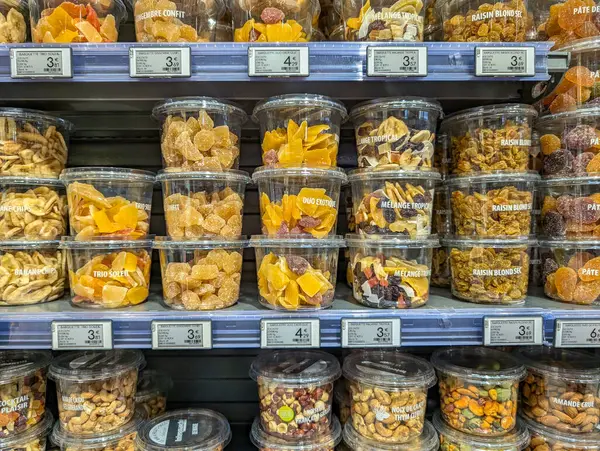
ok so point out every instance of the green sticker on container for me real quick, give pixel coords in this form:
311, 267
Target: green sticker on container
286, 413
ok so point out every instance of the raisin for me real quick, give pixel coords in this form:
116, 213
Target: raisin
394, 280
558, 162
549, 267
553, 224
308, 222
408, 212
580, 137
376, 25
389, 215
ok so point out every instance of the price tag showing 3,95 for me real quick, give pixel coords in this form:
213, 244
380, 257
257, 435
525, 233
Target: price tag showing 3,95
520, 330
160, 62
47, 62
504, 61
72, 335
396, 61
278, 62
181, 335
284, 333
370, 333
577, 333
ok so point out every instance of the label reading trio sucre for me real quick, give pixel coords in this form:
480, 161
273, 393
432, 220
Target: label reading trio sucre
498, 272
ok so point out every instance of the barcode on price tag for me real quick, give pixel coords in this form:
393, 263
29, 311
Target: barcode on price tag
577, 333
278, 62
282, 333
370, 333
521, 330
181, 335
397, 61
504, 61
160, 62
72, 335
46, 62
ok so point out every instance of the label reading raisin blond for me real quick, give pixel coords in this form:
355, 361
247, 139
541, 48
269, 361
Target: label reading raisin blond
496, 14
511, 207
497, 272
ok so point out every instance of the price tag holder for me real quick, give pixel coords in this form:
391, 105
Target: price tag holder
520, 330
74, 335
504, 61
371, 333
160, 62
45, 62
286, 333
181, 335
577, 333
278, 62
396, 61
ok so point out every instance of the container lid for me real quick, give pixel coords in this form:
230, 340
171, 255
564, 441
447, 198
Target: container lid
21, 440
297, 102
580, 45
194, 104
329, 173
569, 243
551, 181
454, 240
580, 442
389, 369
391, 241
151, 383
165, 242
427, 441
95, 365
36, 115
184, 430
228, 175
15, 364
106, 242
484, 112
327, 441
296, 368
502, 177
31, 181
576, 366
398, 103
582, 112
30, 244
297, 241
392, 174
479, 365
106, 173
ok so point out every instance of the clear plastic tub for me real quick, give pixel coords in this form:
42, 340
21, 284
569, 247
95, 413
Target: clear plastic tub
479, 389
561, 385
34, 143
295, 390
87, 380
296, 273
200, 275
200, 133
440, 268
107, 201
13, 23
33, 439
353, 441
489, 271
32, 272
493, 205
300, 130
390, 271
299, 201
325, 442
440, 224
341, 401
565, 22
337, 34
393, 202
66, 22
441, 154
570, 143
547, 438
108, 273
152, 391
495, 138
185, 430
398, 132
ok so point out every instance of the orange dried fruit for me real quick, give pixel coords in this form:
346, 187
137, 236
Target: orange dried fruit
549, 204
593, 165
569, 17
579, 93
549, 143
565, 280
586, 292
550, 286
581, 76
579, 259
563, 102
587, 30
590, 270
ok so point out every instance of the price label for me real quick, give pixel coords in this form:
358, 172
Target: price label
577, 333
397, 61
46, 62
522, 330
278, 62
181, 335
370, 333
504, 61
160, 62
283, 333
72, 335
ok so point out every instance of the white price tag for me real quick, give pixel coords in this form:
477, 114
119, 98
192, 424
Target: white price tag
504, 61
45, 62
181, 335
370, 333
72, 335
577, 333
397, 61
160, 62
290, 333
278, 62
521, 330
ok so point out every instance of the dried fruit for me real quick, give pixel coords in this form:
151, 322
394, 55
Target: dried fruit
580, 138
553, 224
286, 31
549, 144
565, 279
382, 22
13, 28
563, 102
559, 162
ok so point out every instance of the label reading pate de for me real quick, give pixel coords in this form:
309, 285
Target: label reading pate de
577, 333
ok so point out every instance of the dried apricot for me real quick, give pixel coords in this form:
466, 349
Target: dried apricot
586, 292
594, 164
549, 143
581, 94
568, 19
550, 286
581, 76
563, 102
565, 280
590, 270
579, 259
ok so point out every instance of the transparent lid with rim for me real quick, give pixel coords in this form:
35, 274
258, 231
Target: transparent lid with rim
296, 368
498, 177
31, 181
227, 175
30, 244
275, 172
84, 366
106, 173
391, 241
393, 174
389, 369
563, 182
184, 430
297, 241
36, 115
168, 243
580, 45
151, 383
566, 364
194, 104
569, 243
297, 102
590, 441
505, 242
565, 117
397, 103
106, 242
485, 112
427, 441
324, 442
17, 364
36, 432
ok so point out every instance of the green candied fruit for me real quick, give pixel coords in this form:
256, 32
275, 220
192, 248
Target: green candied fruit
503, 394
467, 414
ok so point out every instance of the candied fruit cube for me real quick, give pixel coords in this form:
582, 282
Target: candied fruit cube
309, 283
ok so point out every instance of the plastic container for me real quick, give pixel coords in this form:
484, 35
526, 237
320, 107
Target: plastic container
390, 202
185, 430
65, 22
341, 401
543, 437
492, 205
299, 130
489, 271
224, 32
296, 273
453, 440
33, 439
440, 224
427, 441
398, 132
479, 389
295, 390
389, 391
441, 155
13, 17
495, 138
203, 204
565, 23
152, 391
440, 268
200, 133
87, 380
299, 201
200, 275
22, 132
108, 273
390, 271
570, 143
337, 34
326, 442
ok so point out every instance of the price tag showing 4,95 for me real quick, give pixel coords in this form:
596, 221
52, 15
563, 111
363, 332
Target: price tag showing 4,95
181, 335
278, 62
46, 62
160, 62
284, 333
504, 61
370, 333
396, 61
72, 335
577, 333
519, 330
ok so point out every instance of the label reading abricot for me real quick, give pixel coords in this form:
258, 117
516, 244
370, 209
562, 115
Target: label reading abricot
47, 62
160, 62
577, 333
371, 333
278, 62
297, 333
73, 335
181, 335
397, 61
504, 61
522, 330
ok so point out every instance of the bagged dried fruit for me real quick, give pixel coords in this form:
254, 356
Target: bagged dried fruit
13, 28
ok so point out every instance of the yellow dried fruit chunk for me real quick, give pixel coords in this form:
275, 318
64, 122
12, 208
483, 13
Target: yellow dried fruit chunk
309, 283
205, 272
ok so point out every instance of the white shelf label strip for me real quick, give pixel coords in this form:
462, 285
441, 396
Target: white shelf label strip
181, 335
73, 335
160, 62
371, 333
504, 61
396, 61
278, 62
522, 330
577, 333
46, 62
282, 333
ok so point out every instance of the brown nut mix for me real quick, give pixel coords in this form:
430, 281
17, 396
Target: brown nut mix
547, 439
152, 406
324, 442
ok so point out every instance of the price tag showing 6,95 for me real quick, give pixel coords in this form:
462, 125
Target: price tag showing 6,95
72, 335
278, 62
47, 62
283, 333
181, 335
160, 62
504, 61
396, 61
577, 333
370, 333
519, 330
